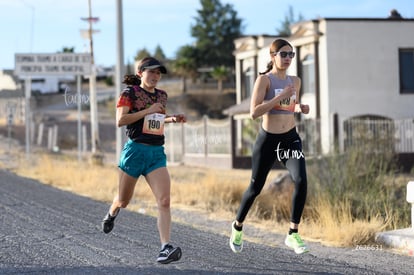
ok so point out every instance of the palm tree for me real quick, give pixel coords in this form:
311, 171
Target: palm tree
185, 68
220, 73
185, 64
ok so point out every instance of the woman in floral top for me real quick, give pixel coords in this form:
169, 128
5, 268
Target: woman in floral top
141, 108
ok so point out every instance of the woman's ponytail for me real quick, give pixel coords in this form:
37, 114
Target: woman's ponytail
131, 80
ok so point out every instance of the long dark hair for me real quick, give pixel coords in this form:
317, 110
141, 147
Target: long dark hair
275, 47
131, 80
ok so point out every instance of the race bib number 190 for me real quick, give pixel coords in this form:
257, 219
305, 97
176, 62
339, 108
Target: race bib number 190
287, 104
154, 124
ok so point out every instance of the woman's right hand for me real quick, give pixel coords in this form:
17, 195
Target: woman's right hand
288, 92
156, 108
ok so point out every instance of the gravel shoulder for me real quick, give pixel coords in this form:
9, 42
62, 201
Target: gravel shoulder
44, 230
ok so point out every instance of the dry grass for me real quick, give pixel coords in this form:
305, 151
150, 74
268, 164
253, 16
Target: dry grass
209, 190
336, 226
67, 174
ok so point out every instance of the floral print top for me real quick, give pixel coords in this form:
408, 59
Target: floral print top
138, 99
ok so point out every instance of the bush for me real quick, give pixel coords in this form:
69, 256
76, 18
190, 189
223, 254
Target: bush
363, 179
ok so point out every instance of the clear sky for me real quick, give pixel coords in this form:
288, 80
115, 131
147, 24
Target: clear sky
46, 26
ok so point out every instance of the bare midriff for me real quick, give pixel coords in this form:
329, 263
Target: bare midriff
278, 123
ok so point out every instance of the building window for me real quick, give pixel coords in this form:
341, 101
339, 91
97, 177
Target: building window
249, 81
406, 58
308, 75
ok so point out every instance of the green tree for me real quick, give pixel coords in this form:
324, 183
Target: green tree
159, 54
68, 50
215, 29
220, 73
284, 29
142, 54
130, 67
184, 65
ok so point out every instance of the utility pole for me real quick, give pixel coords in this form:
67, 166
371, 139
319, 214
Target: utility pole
119, 70
27, 114
95, 141
28, 91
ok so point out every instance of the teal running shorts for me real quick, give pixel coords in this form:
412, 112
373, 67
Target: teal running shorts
141, 159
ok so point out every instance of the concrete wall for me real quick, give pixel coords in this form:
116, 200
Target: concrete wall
363, 68
359, 71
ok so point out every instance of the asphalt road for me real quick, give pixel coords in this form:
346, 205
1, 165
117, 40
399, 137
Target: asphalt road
44, 230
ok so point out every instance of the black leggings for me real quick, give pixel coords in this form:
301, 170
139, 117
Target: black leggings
286, 148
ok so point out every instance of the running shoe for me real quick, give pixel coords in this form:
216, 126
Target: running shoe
295, 241
169, 254
108, 223
236, 239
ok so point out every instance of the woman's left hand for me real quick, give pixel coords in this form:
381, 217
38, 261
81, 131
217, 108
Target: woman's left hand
304, 108
179, 118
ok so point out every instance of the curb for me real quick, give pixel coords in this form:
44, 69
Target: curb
402, 239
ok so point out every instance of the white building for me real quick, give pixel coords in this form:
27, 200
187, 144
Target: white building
350, 68
11, 97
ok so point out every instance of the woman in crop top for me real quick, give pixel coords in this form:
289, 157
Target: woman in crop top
275, 99
141, 108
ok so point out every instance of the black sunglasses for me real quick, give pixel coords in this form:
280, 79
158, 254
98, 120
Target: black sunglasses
285, 54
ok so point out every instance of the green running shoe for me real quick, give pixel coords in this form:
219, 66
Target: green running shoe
236, 239
295, 241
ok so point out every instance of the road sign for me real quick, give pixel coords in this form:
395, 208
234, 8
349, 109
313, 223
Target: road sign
46, 64
52, 64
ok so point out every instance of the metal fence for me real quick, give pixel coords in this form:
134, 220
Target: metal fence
309, 132
404, 135
380, 134
207, 137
